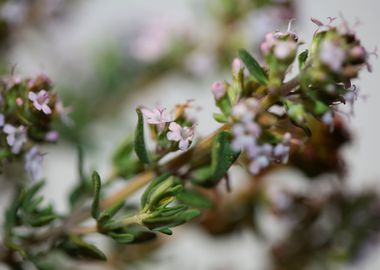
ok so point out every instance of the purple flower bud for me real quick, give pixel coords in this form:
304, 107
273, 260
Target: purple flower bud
19, 101
358, 53
52, 136
218, 89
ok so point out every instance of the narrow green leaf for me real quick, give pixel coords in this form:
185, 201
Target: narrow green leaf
253, 67
165, 231
30, 193
41, 221
153, 185
222, 156
109, 213
161, 222
194, 198
122, 238
221, 118
302, 59
77, 247
96, 183
140, 147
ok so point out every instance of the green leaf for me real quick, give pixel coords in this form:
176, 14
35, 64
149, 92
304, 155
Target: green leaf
194, 198
253, 67
221, 118
42, 220
122, 238
153, 185
140, 147
302, 59
109, 213
30, 193
125, 160
78, 248
165, 231
161, 222
222, 155
96, 184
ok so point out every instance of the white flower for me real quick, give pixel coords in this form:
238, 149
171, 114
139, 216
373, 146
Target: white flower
16, 137
332, 55
40, 101
281, 151
245, 135
258, 164
285, 49
246, 110
183, 135
33, 162
156, 116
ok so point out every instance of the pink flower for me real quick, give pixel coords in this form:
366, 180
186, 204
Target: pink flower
183, 135
16, 137
218, 89
157, 116
40, 101
33, 162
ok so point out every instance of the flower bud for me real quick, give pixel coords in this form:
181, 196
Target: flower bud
218, 89
237, 67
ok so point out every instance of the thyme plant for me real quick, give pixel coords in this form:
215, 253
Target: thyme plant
267, 117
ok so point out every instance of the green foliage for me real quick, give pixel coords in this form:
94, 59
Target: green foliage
125, 161
193, 198
222, 158
78, 248
165, 218
27, 209
160, 192
253, 67
302, 59
96, 184
140, 147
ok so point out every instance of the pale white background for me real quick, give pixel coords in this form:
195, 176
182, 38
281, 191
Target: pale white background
69, 46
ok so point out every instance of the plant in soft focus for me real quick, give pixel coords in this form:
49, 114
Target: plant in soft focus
268, 120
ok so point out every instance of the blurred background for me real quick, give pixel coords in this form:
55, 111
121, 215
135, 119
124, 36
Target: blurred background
106, 59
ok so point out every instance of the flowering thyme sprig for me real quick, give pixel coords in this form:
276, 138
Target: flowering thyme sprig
253, 131
335, 58
27, 113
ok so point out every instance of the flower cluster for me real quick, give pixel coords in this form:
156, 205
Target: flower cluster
248, 102
279, 50
170, 131
28, 109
